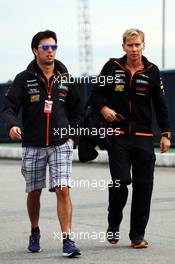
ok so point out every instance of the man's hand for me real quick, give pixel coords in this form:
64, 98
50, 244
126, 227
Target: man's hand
70, 140
15, 133
164, 144
110, 115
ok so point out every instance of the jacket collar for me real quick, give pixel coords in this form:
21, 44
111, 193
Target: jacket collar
122, 61
34, 68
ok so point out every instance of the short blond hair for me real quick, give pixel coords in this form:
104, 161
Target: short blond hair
133, 32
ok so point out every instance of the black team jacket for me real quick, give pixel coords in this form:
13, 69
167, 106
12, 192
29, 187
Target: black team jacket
29, 90
132, 97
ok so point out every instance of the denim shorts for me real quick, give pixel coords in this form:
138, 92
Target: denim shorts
34, 163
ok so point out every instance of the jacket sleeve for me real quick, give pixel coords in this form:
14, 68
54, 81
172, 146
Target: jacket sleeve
74, 110
13, 102
159, 103
100, 89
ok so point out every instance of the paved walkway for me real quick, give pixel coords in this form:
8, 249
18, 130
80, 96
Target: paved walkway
89, 195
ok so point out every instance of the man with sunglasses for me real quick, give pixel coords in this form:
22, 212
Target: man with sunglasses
48, 105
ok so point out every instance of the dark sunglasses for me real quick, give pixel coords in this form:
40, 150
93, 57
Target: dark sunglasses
46, 47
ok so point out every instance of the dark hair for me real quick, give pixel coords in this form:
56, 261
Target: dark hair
42, 35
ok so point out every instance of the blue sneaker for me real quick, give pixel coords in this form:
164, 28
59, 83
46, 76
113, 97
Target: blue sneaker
34, 245
69, 248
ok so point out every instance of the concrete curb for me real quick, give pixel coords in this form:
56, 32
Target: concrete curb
166, 159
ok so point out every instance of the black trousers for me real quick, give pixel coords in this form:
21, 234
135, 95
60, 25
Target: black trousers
131, 160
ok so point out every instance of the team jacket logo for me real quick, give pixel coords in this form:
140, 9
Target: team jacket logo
141, 89
119, 81
32, 83
120, 75
141, 81
33, 91
63, 87
119, 88
162, 87
143, 75
62, 92
34, 98
118, 71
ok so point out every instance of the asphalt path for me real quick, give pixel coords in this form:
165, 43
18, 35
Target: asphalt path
89, 197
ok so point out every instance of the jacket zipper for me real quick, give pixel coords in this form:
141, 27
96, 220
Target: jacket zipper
49, 91
130, 84
130, 103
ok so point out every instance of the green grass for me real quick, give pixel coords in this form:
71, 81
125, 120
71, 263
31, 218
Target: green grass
171, 150
11, 145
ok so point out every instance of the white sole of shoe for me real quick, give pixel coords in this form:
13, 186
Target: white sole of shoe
29, 251
71, 255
